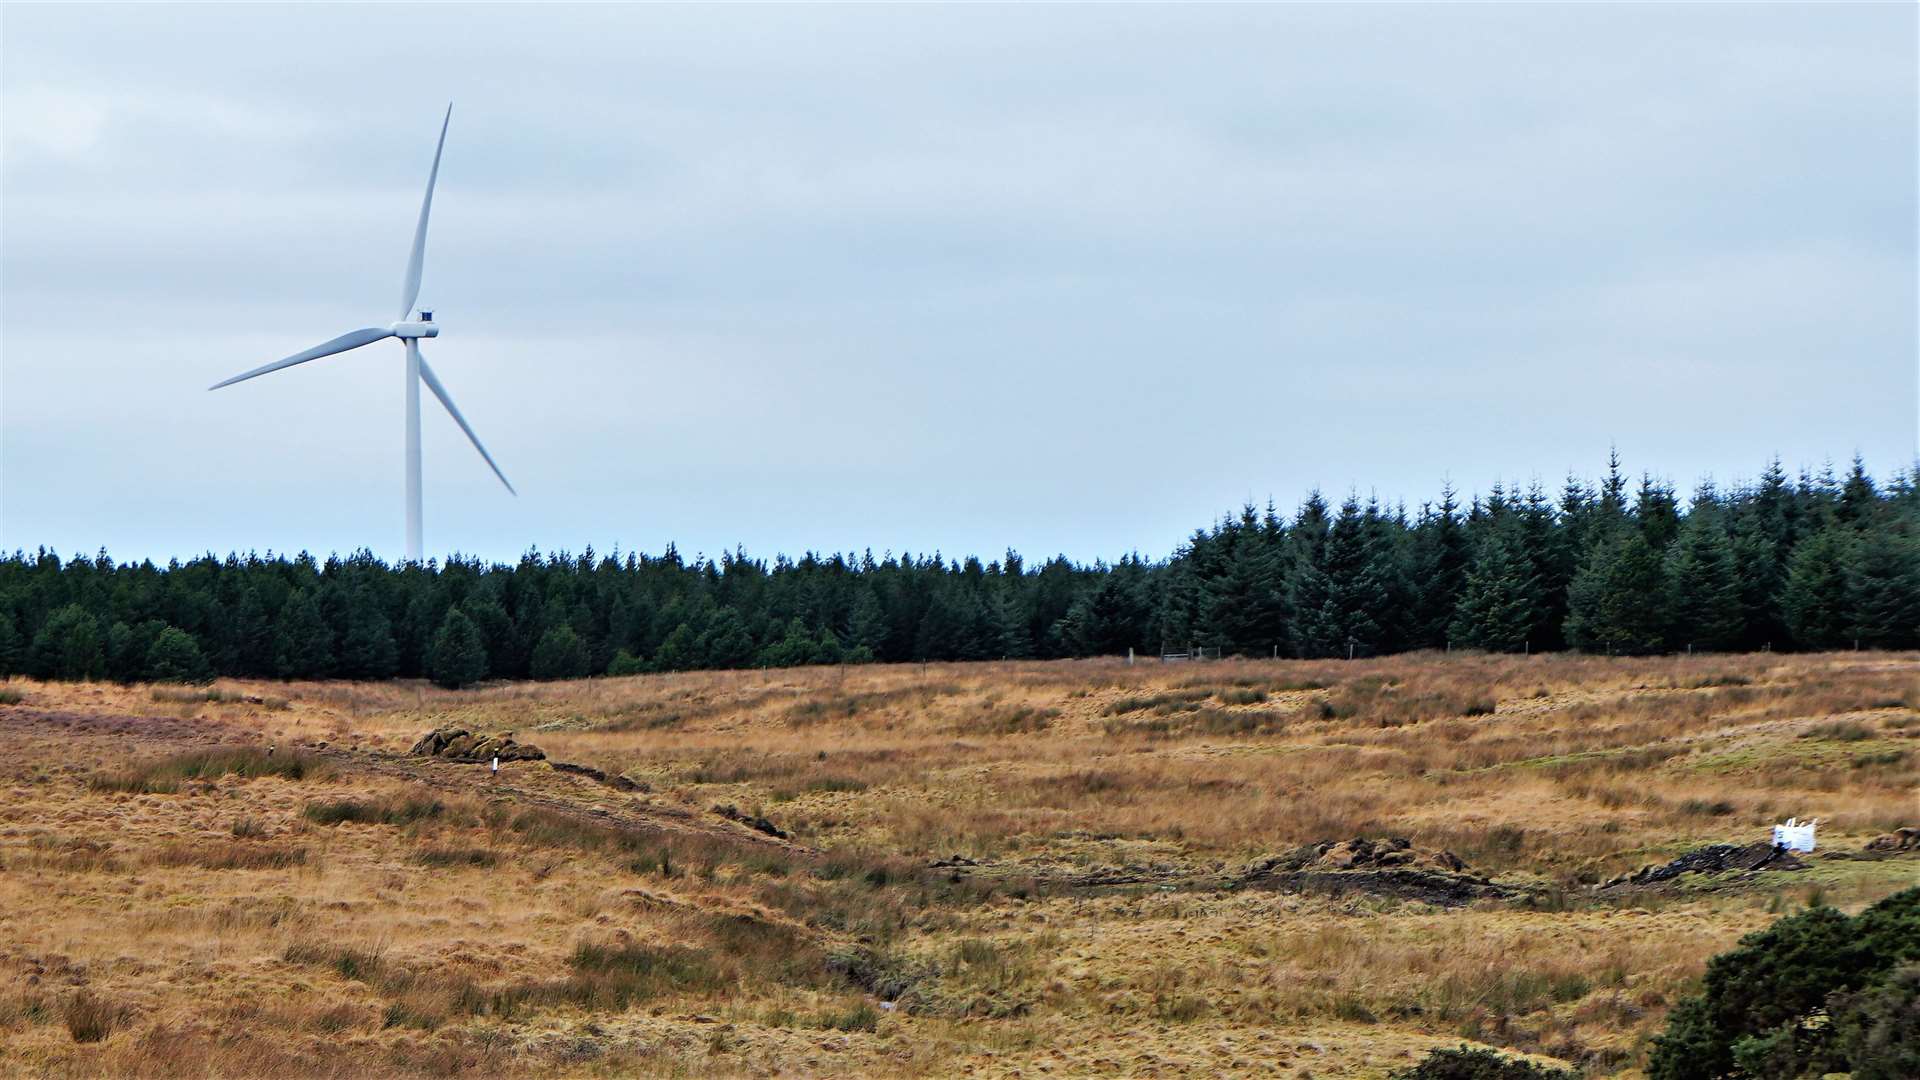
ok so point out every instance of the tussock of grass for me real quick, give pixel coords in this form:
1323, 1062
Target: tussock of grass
212, 695
456, 857
1839, 731
401, 810
91, 1018
11, 696
166, 775
229, 856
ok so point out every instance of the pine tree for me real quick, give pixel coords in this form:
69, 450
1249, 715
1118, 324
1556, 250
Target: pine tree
251, 636
127, 648
1010, 627
68, 646
175, 656
9, 645
867, 623
1703, 587
679, 650
1498, 606
1816, 600
457, 657
560, 654
1616, 603
303, 646
367, 649
727, 644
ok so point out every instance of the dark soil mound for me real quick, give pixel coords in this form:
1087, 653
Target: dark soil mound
459, 744
1712, 859
1387, 867
1907, 839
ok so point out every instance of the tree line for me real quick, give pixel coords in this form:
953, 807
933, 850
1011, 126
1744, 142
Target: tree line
1820, 561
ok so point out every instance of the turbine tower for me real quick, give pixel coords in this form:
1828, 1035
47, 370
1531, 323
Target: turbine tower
417, 370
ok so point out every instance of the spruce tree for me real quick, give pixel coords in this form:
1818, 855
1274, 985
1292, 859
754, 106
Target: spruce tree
560, 654
1341, 591
1440, 561
175, 656
457, 657
303, 646
1816, 600
1883, 587
1617, 602
1703, 587
1498, 607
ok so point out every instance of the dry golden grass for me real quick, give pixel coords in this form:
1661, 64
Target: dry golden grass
180, 903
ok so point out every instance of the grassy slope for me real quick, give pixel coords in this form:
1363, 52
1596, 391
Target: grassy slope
545, 924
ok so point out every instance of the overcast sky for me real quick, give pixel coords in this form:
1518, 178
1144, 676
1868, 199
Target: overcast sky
1068, 279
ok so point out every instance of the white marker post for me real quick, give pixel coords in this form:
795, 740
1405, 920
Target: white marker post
496, 766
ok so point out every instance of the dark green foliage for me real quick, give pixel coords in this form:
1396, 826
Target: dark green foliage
1617, 603
1788, 1001
303, 645
559, 655
367, 649
1703, 587
1816, 600
175, 657
1877, 1031
68, 646
457, 657
1466, 1063
1818, 564
1498, 605
1883, 590
625, 663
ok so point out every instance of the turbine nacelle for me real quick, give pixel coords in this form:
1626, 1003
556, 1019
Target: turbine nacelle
424, 327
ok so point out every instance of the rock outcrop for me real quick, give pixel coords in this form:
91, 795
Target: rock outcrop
459, 744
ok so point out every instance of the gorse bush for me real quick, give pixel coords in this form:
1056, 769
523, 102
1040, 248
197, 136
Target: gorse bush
1817, 992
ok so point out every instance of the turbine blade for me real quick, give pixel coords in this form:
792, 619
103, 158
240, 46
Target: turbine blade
433, 383
411, 291
352, 339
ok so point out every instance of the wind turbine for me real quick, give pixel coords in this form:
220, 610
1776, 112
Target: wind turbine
417, 370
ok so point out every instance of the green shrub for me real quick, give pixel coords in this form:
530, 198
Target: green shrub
1765, 1009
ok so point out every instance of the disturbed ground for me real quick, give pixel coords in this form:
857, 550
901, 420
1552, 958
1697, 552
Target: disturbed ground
1272, 868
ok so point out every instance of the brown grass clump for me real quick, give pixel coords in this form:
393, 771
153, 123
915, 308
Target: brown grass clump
90, 1018
167, 775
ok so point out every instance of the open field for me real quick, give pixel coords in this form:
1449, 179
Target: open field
176, 902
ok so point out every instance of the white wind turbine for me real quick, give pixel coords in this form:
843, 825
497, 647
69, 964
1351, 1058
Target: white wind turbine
417, 369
